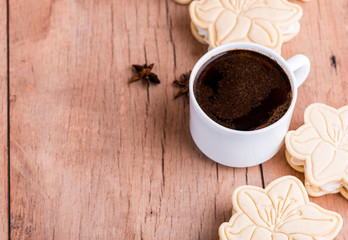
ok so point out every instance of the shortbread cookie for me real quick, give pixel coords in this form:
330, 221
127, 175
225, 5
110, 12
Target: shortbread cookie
264, 22
281, 211
297, 166
183, 1
316, 191
320, 147
200, 38
291, 32
344, 193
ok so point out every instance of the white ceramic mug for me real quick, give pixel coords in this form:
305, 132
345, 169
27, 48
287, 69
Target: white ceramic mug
236, 148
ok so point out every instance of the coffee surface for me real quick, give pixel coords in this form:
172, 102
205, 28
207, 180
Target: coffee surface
243, 90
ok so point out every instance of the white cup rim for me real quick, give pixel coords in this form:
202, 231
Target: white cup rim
243, 46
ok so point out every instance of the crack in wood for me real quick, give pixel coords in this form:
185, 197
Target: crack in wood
333, 62
145, 54
217, 171
157, 51
147, 86
148, 98
163, 176
8, 120
215, 206
262, 177
172, 42
141, 232
164, 144
167, 11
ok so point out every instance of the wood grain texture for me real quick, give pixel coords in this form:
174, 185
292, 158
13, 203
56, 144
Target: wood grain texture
3, 123
323, 39
95, 158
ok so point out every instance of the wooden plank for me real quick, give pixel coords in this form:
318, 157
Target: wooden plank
322, 39
3, 123
93, 157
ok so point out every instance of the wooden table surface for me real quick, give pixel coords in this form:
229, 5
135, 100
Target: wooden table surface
84, 155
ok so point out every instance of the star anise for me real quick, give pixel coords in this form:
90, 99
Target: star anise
183, 84
143, 72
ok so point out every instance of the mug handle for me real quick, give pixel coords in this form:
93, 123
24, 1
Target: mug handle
300, 66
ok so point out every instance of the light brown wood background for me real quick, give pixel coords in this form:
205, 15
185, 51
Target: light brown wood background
3, 123
92, 157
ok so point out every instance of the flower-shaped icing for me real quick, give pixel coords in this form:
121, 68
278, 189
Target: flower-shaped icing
282, 211
260, 21
322, 144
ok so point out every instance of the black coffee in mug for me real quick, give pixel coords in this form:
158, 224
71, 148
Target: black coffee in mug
243, 90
